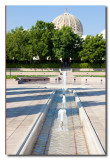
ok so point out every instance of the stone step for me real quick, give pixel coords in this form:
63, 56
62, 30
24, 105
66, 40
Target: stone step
66, 69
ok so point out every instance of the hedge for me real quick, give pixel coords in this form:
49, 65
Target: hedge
40, 65
55, 65
16, 76
88, 65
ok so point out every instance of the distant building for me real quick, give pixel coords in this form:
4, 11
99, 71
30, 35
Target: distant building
84, 36
104, 34
70, 20
67, 19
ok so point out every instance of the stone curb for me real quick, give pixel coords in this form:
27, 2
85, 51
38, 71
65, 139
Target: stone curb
94, 145
27, 145
56, 69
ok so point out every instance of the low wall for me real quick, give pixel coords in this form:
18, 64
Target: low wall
86, 73
27, 145
88, 69
33, 73
88, 80
73, 80
34, 69
55, 69
93, 142
15, 82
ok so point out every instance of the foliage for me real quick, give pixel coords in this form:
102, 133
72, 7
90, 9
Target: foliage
45, 42
25, 44
16, 76
40, 37
93, 49
8, 70
66, 43
17, 44
40, 65
88, 65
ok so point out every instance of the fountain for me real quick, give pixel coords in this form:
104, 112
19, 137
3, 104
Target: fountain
62, 118
64, 80
63, 91
63, 101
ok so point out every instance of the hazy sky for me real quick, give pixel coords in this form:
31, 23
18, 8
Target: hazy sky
92, 17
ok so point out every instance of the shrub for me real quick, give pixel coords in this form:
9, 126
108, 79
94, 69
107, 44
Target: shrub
36, 65
103, 65
79, 65
87, 65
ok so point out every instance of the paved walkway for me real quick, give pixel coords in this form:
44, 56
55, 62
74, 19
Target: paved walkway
33, 73
23, 106
55, 73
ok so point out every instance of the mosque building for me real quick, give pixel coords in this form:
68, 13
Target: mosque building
103, 33
70, 20
67, 19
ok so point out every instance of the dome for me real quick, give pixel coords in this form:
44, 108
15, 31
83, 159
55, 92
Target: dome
67, 19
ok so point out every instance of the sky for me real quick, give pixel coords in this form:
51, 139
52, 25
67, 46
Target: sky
93, 18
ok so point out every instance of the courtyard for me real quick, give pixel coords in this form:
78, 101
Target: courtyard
25, 102
56, 81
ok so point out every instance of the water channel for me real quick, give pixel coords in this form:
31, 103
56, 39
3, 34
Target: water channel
55, 141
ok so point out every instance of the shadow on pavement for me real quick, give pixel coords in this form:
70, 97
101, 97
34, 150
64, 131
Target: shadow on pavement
27, 98
24, 110
27, 92
92, 103
91, 93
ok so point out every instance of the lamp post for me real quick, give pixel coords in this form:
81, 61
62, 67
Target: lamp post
74, 79
10, 73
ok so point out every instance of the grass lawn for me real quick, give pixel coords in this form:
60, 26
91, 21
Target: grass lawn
88, 71
32, 71
16, 76
89, 76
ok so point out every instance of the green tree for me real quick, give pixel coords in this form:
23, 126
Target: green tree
17, 46
9, 46
41, 35
66, 43
93, 49
25, 44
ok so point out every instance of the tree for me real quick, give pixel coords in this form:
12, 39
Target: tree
17, 47
66, 43
93, 49
9, 46
41, 35
44, 41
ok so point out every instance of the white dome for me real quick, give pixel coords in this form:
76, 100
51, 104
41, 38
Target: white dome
67, 19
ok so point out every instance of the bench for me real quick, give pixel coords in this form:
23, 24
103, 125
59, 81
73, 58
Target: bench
28, 79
